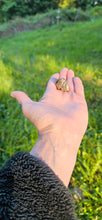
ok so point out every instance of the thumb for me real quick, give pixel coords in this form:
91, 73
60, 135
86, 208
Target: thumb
21, 97
24, 101
29, 107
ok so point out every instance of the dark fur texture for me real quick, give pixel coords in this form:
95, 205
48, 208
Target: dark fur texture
29, 189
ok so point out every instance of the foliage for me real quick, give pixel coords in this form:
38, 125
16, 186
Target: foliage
66, 3
74, 4
96, 11
83, 4
94, 2
10, 8
74, 15
43, 20
47, 19
26, 63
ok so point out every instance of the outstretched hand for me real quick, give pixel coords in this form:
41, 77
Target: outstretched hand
61, 120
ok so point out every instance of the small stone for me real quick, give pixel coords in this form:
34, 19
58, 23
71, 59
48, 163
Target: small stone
62, 84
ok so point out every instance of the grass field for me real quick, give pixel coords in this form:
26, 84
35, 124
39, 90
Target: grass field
26, 63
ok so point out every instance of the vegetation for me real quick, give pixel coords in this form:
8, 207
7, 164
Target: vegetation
47, 19
27, 61
9, 8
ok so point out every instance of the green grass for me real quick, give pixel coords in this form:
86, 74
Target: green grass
26, 63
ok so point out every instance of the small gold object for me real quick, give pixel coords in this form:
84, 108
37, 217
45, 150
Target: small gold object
62, 84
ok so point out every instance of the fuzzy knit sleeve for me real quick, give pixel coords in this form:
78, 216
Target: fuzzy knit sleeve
29, 190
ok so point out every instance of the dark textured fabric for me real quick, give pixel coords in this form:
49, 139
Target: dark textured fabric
29, 189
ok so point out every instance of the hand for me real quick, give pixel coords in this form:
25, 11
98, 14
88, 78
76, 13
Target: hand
61, 119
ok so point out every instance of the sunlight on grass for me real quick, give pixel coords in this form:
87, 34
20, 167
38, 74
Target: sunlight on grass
5, 78
27, 61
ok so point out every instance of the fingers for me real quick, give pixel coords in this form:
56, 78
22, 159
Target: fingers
75, 83
21, 97
68, 75
52, 82
64, 73
78, 86
70, 79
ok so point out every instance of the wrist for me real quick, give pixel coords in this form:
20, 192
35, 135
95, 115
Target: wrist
59, 154
45, 150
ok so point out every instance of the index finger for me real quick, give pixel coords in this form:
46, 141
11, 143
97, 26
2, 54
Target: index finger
51, 86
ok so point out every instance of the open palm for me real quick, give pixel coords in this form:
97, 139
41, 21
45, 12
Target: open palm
56, 107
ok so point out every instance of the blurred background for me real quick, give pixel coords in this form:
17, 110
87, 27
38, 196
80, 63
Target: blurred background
37, 39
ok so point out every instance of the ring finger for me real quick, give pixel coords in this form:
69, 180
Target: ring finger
70, 77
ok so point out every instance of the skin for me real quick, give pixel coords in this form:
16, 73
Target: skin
61, 119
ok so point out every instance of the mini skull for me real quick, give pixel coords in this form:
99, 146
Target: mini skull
62, 85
